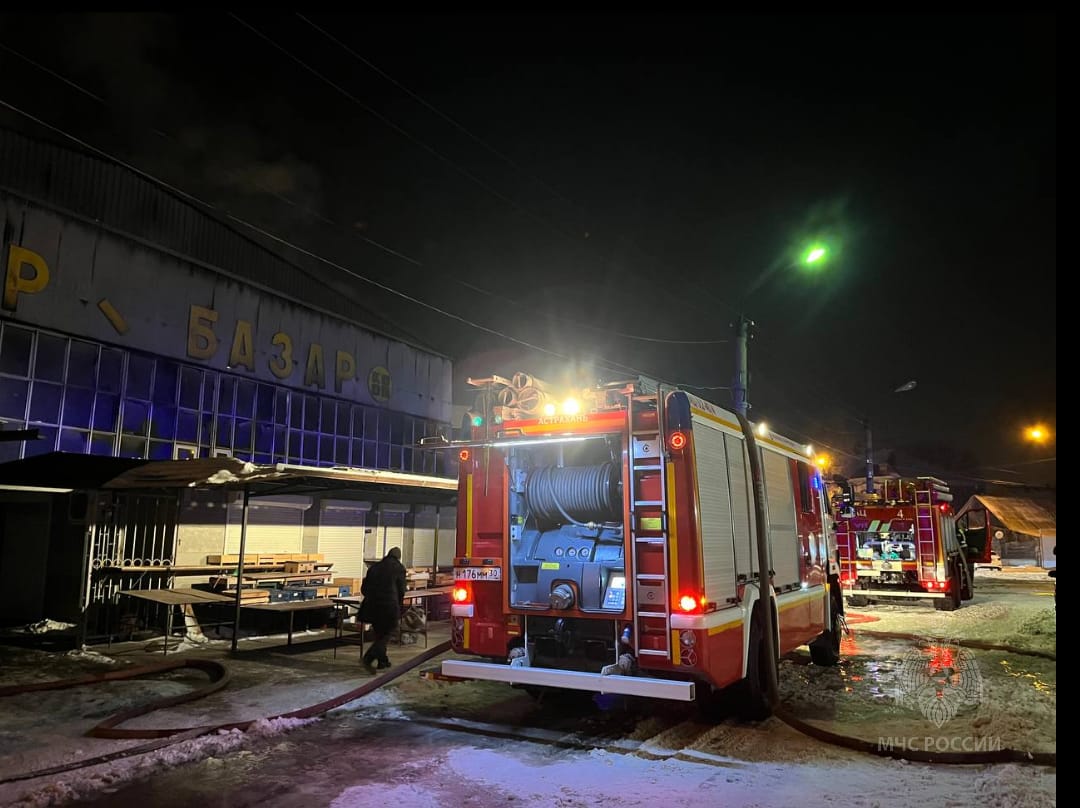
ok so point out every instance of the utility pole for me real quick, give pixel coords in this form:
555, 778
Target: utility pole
742, 406
869, 457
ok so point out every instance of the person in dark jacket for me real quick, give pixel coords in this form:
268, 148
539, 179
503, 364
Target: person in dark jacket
384, 593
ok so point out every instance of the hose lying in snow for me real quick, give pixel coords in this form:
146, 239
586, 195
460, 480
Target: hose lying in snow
979, 644
917, 755
109, 728
921, 755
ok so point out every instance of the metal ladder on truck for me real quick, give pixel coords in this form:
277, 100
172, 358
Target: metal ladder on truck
648, 519
925, 545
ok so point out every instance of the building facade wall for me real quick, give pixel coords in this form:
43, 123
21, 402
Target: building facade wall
109, 346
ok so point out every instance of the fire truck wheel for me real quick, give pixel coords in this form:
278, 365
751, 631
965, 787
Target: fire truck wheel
825, 648
967, 592
951, 602
753, 701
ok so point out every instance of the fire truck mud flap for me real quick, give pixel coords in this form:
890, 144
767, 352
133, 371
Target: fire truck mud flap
645, 687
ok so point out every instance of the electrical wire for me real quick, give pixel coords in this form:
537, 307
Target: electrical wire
610, 364
385, 248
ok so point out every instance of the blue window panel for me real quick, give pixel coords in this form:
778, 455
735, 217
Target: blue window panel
295, 441
73, 440
383, 432
311, 413
226, 396
382, 460
101, 443
187, 426
161, 450
264, 404
15, 351
328, 419
140, 372
45, 403
341, 452
281, 408
78, 405
357, 421
264, 438
245, 398
10, 450
190, 388
131, 446
106, 412
209, 396
51, 355
136, 418
165, 383
342, 428
163, 422
243, 438
326, 449
223, 438
82, 364
45, 443
281, 441
310, 450
397, 428
357, 458
371, 455
110, 371
263, 459
296, 411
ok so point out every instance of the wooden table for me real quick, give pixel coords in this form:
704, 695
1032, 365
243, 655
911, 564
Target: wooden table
180, 596
291, 607
353, 602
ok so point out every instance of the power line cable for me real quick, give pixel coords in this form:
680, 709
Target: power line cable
449, 119
611, 364
442, 157
385, 248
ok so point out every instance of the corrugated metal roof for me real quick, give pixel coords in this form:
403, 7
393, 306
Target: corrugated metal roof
1018, 514
122, 200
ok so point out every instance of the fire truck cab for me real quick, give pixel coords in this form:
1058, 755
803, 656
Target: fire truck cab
900, 541
607, 544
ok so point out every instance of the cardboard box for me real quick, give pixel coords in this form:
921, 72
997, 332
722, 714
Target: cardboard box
232, 558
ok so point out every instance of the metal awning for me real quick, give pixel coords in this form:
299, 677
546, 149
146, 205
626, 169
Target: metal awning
1018, 514
60, 472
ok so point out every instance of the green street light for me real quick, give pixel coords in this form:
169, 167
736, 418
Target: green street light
815, 254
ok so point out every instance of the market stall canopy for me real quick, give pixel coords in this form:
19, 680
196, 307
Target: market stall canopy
62, 471
1018, 514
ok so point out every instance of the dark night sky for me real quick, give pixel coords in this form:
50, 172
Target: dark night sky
566, 179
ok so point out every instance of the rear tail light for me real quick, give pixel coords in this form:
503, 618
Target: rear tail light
691, 604
461, 594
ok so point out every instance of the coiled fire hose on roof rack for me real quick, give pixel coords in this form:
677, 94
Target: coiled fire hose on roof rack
219, 678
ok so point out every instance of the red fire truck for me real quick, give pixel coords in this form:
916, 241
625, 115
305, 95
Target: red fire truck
901, 541
606, 543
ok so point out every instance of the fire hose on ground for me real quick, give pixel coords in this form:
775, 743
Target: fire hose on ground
922, 755
219, 678
109, 728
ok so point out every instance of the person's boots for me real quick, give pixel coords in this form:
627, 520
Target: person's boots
384, 664
369, 666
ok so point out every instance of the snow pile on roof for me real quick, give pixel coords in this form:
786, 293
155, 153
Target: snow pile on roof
46, 625
226, 476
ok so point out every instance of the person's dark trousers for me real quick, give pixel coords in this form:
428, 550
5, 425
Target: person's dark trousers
377, 652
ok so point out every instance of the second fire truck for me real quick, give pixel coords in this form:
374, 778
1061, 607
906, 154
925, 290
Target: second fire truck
607, 543
901, 542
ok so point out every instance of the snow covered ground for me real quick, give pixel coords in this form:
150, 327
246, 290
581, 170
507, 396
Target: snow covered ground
376, 750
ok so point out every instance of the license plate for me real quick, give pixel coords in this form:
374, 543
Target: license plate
478, 573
